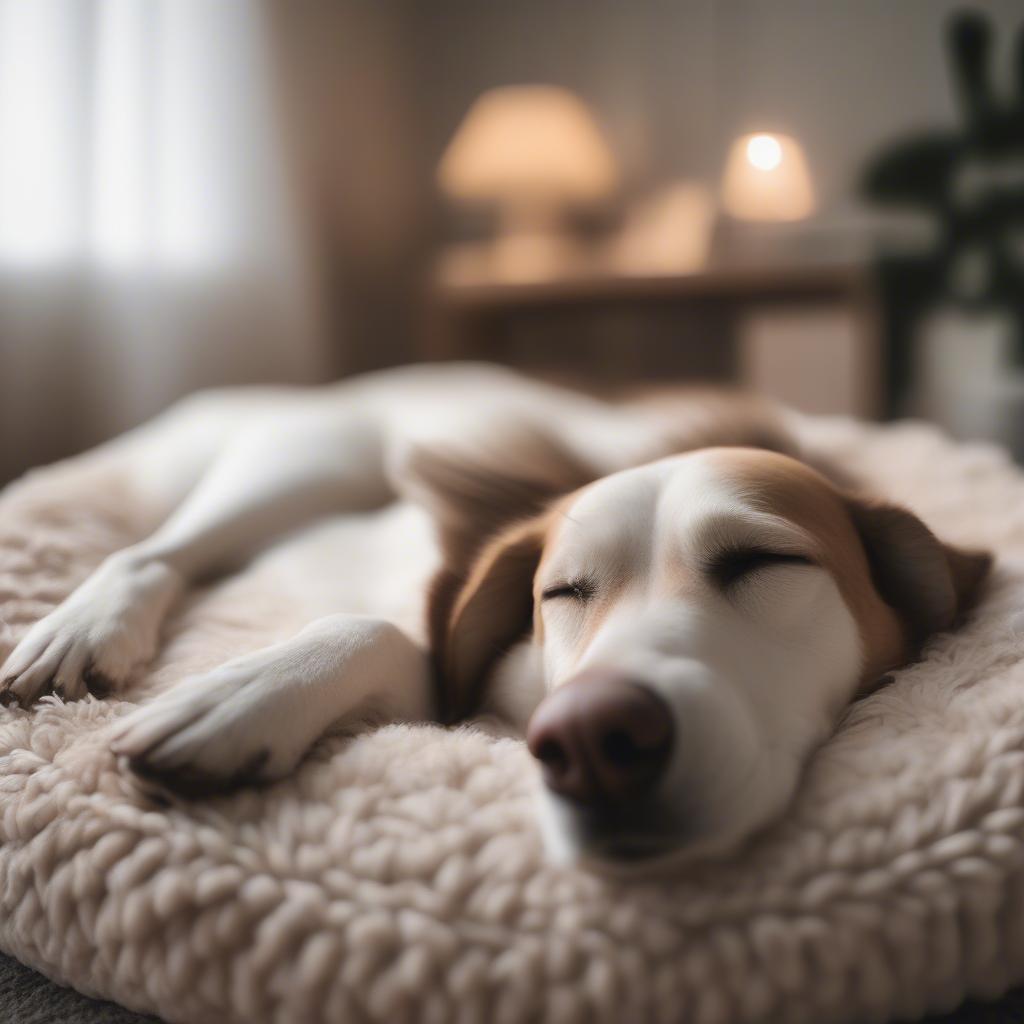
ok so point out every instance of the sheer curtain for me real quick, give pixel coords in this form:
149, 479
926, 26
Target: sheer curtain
148, 238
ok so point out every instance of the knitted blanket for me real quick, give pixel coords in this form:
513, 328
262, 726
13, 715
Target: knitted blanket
398, 875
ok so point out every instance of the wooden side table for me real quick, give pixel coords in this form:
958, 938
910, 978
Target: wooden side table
609, 329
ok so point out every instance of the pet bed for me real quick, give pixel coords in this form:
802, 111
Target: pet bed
398, 875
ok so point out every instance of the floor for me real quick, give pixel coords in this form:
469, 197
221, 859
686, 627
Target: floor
28, 998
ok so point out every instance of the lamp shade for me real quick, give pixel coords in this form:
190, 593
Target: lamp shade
766, 178
528, 144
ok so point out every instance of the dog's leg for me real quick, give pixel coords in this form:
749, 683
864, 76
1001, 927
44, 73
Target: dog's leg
253, 718
268, 478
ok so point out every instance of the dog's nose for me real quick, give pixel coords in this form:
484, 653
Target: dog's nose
601, 738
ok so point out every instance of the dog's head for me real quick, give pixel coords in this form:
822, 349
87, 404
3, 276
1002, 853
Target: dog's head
688, 631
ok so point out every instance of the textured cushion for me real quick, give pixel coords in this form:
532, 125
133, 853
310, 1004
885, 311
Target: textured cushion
398, 875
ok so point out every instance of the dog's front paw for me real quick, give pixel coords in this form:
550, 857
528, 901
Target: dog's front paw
92, 641
233, 726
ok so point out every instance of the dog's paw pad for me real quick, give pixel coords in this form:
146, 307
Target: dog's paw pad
98, 683
195, 782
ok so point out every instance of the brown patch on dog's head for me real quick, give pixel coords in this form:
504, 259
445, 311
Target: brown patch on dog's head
901, 583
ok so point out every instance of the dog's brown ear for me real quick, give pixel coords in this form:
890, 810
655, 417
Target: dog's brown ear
473, 489
474, 620
929, 583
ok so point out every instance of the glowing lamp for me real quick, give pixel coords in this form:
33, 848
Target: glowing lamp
766, 179
532, 151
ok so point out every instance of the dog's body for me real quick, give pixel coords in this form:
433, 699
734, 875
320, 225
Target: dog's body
698, 619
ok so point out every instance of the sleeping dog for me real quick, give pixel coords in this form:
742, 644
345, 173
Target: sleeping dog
668, 602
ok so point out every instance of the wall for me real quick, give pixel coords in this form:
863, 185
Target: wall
673, 82
375, 91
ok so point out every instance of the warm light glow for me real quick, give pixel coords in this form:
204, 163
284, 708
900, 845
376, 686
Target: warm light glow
766, 178
764, 152
528, 144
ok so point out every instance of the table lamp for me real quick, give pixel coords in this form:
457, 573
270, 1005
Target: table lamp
766, 179
533, 151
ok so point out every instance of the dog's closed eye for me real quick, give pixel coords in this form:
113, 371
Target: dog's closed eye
581, 588
730, 566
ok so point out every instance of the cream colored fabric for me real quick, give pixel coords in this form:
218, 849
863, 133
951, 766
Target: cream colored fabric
398, 875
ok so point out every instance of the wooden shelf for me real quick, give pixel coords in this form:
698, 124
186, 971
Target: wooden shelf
742, 284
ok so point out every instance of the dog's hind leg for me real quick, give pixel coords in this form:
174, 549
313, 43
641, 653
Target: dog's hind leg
268, 476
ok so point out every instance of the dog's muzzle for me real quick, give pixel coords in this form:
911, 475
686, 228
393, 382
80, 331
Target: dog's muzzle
602, 739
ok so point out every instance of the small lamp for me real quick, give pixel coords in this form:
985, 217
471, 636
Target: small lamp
532, 150
766, 179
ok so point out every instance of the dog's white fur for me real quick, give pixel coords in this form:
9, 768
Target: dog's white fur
754, 677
